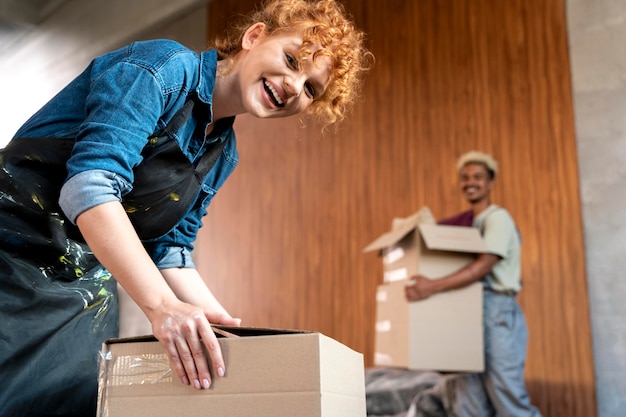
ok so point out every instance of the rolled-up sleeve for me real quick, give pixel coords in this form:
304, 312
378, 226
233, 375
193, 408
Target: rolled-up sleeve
89, 189
176, 257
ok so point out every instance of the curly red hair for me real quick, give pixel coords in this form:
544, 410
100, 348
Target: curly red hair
322, 22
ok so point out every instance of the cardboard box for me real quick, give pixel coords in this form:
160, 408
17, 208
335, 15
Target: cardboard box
270, 373
445, 331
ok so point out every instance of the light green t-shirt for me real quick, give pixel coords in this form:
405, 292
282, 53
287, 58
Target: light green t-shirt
502, 239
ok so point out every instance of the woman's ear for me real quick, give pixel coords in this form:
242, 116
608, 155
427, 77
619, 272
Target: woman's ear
253, 34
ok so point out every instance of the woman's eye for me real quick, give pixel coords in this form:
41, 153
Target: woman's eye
310, 91
291, 61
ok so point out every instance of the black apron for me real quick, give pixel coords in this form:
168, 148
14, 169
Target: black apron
57, 302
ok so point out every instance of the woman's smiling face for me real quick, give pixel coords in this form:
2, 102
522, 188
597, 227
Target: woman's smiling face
273, 81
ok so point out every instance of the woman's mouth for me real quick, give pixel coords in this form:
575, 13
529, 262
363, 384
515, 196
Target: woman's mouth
273, 94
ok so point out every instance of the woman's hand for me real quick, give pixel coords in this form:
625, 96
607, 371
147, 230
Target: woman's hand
185, 332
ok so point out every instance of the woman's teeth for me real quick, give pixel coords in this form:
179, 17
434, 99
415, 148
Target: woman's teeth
273, 93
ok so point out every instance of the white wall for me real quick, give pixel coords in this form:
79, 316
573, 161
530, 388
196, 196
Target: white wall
45, 58
597, 34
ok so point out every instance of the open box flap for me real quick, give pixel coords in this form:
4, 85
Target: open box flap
452, 238
390, 238
400, 228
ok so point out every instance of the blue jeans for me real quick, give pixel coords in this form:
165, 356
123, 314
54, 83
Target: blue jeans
499, 391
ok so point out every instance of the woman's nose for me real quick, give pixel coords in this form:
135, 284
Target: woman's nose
294, 85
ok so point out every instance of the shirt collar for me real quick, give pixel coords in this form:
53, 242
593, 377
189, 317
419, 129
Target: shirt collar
208, 70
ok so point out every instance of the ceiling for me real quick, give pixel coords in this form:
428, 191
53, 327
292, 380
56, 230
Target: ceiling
17, 14
18, 17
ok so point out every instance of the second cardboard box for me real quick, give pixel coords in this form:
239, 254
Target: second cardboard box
445, 331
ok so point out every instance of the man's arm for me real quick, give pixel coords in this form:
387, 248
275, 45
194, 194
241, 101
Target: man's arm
422, 287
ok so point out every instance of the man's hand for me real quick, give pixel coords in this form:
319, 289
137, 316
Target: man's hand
419, 288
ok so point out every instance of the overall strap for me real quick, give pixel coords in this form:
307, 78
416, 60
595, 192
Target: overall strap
179, 119
208, 159
213, 150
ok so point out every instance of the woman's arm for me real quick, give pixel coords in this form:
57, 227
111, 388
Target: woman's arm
189, 287
182, 328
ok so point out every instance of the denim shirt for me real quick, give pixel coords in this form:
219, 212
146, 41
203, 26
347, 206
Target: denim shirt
110, 110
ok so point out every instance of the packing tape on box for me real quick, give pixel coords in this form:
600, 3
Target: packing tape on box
393, 256
146, 368
382, 359
396, 275
383, 326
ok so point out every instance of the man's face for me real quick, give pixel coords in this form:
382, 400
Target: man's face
474, 182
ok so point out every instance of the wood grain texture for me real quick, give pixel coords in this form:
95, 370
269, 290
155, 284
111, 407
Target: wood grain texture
282, 244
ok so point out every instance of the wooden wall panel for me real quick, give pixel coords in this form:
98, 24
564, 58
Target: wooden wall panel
282, 245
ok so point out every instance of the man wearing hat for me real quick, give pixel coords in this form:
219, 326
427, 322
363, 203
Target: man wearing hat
500, 390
